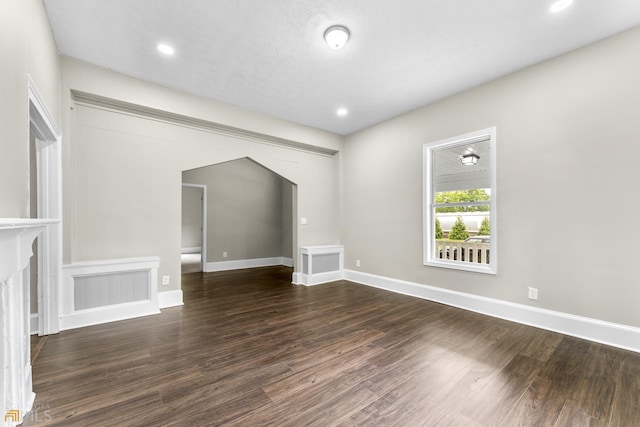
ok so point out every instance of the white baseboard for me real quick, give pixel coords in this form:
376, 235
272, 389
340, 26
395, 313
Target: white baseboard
608, 333
193, 250
106, 314
296, 278
33, 324
170, 299
247, 263
316, 279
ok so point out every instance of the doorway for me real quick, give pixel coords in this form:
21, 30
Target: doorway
45, 192
250, 216
194, 228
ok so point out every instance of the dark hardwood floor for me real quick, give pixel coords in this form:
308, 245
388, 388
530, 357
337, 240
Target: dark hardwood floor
250, 349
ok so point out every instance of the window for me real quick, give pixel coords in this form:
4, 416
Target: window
459, 202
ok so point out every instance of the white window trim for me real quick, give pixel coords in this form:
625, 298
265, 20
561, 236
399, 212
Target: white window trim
429, 222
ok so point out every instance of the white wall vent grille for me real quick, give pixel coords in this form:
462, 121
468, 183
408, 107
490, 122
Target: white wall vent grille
107, 291
320, 264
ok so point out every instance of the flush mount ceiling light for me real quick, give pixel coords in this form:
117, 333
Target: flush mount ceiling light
342, 112
560, 5
336, 36
166, 49
469, 159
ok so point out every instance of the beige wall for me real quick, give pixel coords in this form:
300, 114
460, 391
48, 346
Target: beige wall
123, 171
567, 134
27, 48
245, 204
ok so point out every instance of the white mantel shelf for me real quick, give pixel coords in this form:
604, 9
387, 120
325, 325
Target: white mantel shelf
16, 241
25, 222
16, 237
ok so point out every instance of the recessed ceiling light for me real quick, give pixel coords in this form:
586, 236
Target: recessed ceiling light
337, 36
342, 112
560, 5
166, 49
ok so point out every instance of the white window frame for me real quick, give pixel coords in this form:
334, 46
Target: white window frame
428, 150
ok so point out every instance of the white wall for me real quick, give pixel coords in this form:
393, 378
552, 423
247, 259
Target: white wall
27, 48
123, 170
567, 134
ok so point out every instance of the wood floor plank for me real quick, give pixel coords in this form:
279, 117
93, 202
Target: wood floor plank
445, 408
541, 344
334, 410
626, 404
324, 371
321, 352
248, 348
316, 398
573, 417
540, 405
423, 385
594, 395
223, 414
505, 387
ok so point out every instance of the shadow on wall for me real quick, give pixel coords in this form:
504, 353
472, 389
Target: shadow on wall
249, 214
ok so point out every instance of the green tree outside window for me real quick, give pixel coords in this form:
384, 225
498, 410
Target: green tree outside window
459, 230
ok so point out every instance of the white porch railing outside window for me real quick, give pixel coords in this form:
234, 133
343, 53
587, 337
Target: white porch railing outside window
452, 250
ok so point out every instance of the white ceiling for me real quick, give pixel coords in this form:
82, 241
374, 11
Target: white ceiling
269, 55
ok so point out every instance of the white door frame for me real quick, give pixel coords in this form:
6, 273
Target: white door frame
203, 242
49, 182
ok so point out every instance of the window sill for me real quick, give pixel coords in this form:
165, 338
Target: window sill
454, 265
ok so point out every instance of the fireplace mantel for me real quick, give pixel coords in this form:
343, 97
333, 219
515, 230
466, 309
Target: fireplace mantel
16, 241
16, 238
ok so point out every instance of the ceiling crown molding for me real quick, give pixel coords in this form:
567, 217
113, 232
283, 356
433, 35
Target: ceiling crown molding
92, 100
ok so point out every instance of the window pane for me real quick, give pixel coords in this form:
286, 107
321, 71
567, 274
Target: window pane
450, 174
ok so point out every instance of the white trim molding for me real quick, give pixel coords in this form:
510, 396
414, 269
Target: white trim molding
287, 262
317, 279
110, 104
617, 335
247, 263
48, 151
168, 299
33, 323
73, 318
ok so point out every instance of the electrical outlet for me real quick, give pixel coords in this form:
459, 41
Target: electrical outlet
224, 254
358, 263
533, 293
165, 280
303, 221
